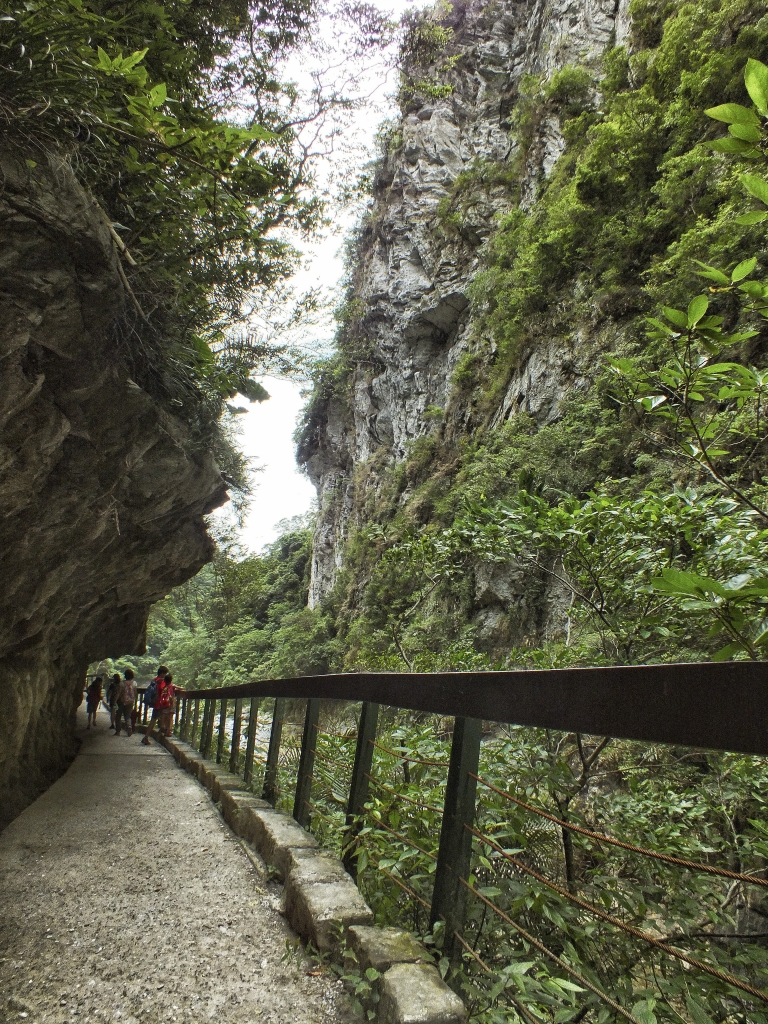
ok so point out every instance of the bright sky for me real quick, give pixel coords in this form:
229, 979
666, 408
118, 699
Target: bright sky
282, 492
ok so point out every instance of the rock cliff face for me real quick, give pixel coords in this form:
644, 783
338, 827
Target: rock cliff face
411, 282
103, 499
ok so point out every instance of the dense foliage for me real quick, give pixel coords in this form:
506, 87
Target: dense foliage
173, 118
241, 619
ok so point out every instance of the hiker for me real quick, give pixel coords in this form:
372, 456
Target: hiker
157, 697
166, 713
114, 686
125, 698
93, 696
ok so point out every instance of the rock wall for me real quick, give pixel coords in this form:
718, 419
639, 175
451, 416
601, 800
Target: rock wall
411, 281
103, 497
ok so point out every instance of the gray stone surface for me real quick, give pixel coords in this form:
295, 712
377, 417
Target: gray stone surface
416, 994
413, 271
234, 808
307, 865
208, 772
126, 898
321, 912
380, 948
223, 782
274, 834
103, 495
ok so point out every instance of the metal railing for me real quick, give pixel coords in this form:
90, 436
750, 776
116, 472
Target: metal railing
714, 706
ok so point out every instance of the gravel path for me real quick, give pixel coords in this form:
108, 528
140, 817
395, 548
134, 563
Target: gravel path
124, 897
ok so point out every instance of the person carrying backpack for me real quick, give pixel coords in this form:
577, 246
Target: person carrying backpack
126, 695
159, 696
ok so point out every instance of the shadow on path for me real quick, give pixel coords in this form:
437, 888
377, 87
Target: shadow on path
124, 897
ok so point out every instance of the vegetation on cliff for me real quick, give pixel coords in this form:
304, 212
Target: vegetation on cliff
643, 191
173, 117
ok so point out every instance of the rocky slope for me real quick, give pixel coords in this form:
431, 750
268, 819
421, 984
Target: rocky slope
412, 316
103, 496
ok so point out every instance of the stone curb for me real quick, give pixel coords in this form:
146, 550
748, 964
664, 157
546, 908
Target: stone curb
323, 904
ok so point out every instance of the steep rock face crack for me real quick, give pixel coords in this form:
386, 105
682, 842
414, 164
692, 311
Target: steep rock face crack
126, 897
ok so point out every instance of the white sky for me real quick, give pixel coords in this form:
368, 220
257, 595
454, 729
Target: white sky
281, 492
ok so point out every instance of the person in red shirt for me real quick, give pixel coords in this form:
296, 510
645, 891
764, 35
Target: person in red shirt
166, 713
163, 700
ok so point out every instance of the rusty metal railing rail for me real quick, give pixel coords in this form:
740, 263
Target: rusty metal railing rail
713, 706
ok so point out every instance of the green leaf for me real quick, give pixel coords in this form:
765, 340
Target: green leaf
673, 581
372, 974
569, 986
757, 187
697, 1012
756, 81
727, 652
104, 63
733, 113
744, 269
731, 145
519, 967
712, 273
697, 308
158, 95
135, 58
675, 316
747, 132
644, 1011
752, 218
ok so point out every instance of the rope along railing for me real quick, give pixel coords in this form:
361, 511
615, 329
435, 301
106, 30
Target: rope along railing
721, 707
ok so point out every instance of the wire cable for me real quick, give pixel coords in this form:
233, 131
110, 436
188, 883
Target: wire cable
630, 929
401, 837
668, 858
413, 760
553, 956
402, 796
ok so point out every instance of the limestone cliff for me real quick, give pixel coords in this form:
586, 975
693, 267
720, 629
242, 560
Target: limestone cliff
414, 317
103, 495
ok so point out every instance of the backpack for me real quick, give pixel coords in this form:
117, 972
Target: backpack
150, 694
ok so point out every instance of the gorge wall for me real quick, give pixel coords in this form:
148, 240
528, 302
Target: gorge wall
413, 320
103, 494
549, 182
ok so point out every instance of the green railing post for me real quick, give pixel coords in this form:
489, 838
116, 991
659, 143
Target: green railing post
358, 787
449, 895
175, 728
234, 754
301, 810
195, 722
253, 718
222, 730
270, 772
